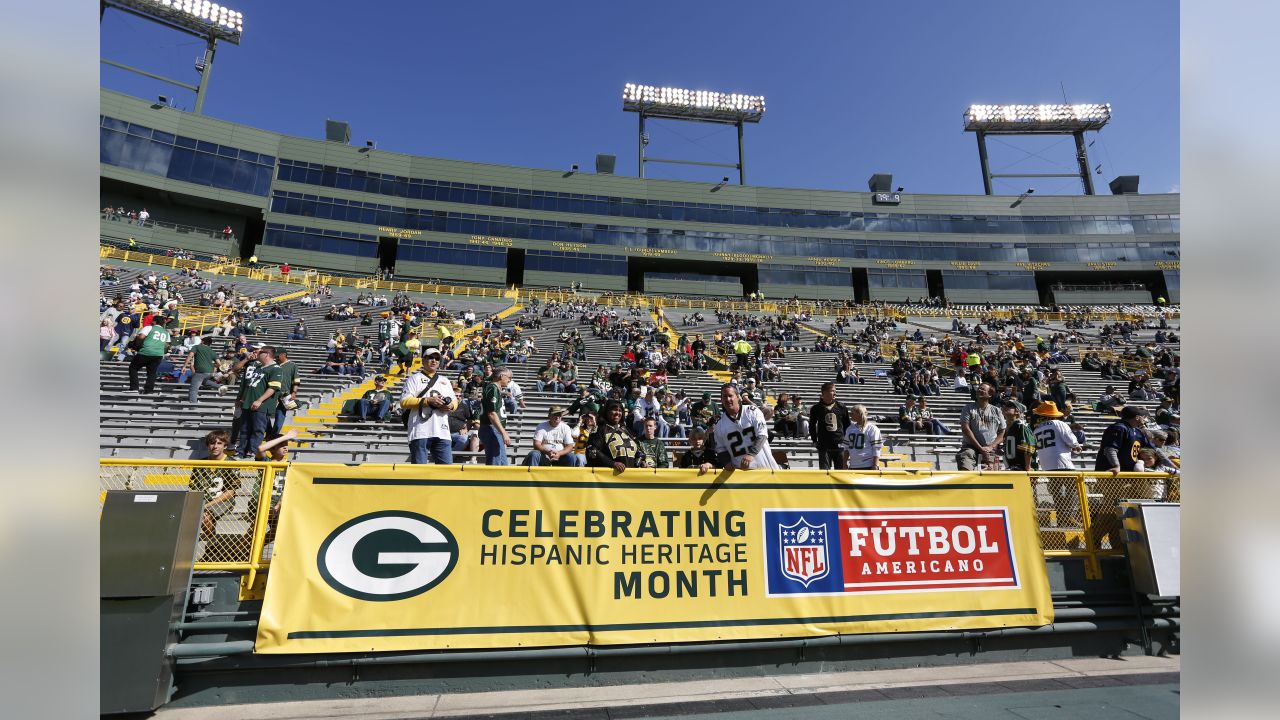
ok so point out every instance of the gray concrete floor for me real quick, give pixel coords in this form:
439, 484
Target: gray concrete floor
1091, 688
1156, 702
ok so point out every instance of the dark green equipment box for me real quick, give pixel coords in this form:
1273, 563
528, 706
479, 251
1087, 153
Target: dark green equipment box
148, 544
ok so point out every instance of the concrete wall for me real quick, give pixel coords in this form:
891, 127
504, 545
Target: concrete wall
151, 235
822, 292
407, 270
325, 261
282, 678
897, 294
1009, 297
539, 278
173, 213
693, 287
1101, 297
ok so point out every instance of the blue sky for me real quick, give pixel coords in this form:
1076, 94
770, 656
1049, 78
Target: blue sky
853, 88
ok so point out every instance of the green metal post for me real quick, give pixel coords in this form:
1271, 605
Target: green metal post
640, 144
742, 163
203, 88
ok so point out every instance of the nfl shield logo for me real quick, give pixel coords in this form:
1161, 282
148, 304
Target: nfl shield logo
804, 551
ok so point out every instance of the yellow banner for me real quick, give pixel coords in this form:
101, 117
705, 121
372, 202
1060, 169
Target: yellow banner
373, 558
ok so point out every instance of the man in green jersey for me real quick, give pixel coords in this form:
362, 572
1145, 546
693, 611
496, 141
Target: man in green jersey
260, 394
652, 447
289, 380
493, 432
704, 412
155, 341
384, 339
1019, 440
200, 362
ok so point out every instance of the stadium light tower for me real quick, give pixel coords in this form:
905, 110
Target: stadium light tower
1074, 120
695, 106
206, 20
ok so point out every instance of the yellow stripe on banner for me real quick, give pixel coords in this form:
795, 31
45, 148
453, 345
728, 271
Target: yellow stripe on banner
658, 556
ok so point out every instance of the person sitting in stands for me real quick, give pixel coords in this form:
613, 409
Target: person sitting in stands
375, 403
909, 420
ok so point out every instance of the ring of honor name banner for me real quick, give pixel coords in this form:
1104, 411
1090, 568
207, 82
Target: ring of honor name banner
375, 558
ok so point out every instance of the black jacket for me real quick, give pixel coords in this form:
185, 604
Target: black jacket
827, 425
613, 443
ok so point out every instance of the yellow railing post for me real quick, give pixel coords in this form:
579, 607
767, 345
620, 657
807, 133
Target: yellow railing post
1092, 566
260, 521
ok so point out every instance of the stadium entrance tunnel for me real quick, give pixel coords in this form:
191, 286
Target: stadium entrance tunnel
515, 267
933, 279
1094, 287
254, 228
387, 249
861, 286
683, 276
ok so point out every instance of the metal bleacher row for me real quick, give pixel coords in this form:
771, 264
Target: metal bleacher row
164, 425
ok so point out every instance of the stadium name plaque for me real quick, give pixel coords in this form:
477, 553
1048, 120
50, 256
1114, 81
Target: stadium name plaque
884, 198
1168, 264
743, 257
398, 232
491, 240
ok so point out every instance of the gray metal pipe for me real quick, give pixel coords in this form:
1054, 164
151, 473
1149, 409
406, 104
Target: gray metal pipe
1084, 613
218, 625
228, 613
1061, 613
212, 650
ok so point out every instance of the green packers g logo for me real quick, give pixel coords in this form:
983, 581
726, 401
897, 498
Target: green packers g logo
387, 555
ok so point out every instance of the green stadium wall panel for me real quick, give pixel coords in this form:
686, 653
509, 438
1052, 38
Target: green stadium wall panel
1008, 297
167, 237
812, 292
1100, 297
893, 294
539, 278
312, 259
407, 270
692, 287
197, 217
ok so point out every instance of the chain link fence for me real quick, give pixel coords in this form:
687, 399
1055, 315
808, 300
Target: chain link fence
1057, 507
234, 495
1103, 492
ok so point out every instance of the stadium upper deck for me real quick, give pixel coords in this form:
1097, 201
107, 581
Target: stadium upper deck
331, 205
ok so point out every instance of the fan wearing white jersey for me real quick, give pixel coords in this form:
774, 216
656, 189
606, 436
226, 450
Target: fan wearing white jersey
741, 435
862, 440
1054, 439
